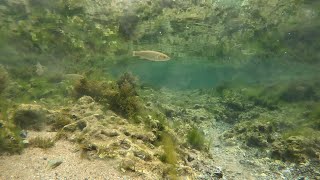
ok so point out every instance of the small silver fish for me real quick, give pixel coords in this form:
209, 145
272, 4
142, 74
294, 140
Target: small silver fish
151, 55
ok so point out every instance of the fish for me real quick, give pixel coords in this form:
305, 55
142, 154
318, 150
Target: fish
151, 55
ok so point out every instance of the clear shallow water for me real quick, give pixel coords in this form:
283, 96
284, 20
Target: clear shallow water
193, 73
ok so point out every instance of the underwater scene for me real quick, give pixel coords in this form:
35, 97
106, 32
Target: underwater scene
160, 89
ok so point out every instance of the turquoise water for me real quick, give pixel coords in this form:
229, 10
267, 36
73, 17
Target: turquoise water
193, 73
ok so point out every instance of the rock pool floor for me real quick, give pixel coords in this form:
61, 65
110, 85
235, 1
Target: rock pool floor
33, 164
232, 159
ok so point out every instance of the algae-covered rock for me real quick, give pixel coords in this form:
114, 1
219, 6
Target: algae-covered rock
30, 116
147, 137
60, 121
296, 149
125, 144
128, 165
142, 155
81, 124
254, 134
112, 133
53, 163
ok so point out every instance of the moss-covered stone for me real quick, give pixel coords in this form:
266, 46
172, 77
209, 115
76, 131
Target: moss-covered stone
253, 134
60, 121
296, 149
29, 116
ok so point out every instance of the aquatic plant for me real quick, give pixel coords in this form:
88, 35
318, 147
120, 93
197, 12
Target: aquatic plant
196, 139
41, 142
10, 140
125, 100
169, 155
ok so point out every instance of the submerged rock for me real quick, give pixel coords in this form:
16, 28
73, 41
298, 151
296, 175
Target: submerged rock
110, 133
254, 134
25, 142
30, 116
23, 134
142, 155
127, 165
296, 149
54, 163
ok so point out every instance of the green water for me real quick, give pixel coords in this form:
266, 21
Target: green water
193, 73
